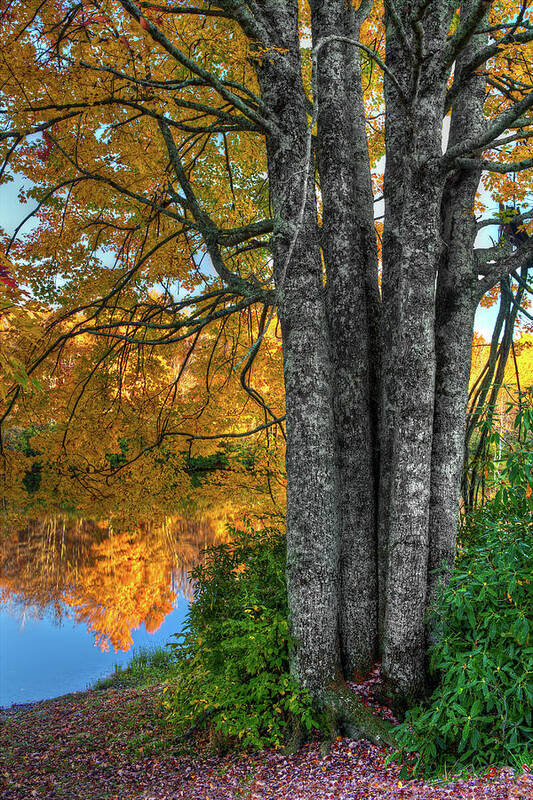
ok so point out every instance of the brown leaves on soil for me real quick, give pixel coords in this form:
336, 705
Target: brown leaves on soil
114, 745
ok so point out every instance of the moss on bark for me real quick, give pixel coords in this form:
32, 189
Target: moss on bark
354, 719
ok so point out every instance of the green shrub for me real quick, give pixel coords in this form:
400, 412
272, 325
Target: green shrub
510, 471
481, 712
198, 467
233, 656
514, 487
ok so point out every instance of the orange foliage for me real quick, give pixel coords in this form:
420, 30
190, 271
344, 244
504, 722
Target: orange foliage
518, 373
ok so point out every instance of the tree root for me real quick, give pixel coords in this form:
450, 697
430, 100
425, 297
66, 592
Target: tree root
399, 702
343, 714
352, 718
296, 736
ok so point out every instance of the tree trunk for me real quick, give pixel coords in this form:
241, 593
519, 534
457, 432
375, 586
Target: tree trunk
486, 396
312, 477
409, 382
311, 463
411, 253
454, 329
349, 247
456, 302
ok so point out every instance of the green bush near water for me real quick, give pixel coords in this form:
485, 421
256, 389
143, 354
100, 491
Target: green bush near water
233, 656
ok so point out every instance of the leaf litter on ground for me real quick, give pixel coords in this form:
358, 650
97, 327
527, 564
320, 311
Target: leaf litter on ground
115, 745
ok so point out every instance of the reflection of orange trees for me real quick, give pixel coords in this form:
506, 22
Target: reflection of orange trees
126, 583
113, 580
40, 558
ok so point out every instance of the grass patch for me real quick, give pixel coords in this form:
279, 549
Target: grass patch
147, 667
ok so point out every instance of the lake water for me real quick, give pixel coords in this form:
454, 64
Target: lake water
77, 596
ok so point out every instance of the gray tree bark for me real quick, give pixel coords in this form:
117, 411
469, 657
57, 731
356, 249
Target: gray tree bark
366, 535
349, 247
348, 583
312, 460
457, 297
412, 249
338, 565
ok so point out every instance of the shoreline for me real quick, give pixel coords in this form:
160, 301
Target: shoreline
20, 708
15, 708
105, 681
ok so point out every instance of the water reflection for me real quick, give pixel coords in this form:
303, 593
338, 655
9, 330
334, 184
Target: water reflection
111, 577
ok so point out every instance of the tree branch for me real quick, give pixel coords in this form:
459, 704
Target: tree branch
491, 134
207, 12
467, 28
392, 11
494, 166
368, 50
505, 265
492, 50
516, 137
234, 236
240, 435
207, 227
514, 301
175, 84
158, 36
498, 220
43, 126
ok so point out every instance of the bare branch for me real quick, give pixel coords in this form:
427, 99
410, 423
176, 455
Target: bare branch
505, 265
494, 166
